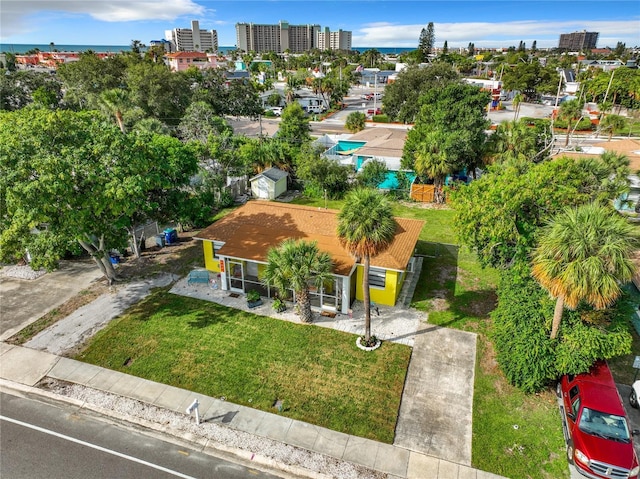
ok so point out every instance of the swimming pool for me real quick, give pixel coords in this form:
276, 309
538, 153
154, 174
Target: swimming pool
348, 146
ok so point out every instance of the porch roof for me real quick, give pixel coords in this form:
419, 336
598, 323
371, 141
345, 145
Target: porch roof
252, 229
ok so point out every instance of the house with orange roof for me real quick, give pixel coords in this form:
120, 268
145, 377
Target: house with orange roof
235, 247
628, 147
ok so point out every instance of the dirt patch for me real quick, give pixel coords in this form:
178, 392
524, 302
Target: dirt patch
439, 304
425, 206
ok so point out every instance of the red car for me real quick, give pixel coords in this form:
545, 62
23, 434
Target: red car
595, 426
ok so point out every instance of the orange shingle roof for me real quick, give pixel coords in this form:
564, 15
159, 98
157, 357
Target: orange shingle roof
252, 229
628, 147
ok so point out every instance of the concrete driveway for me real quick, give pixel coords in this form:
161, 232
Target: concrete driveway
24, 301
437, 402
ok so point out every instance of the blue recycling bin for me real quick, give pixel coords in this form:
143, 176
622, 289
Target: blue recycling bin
170, 236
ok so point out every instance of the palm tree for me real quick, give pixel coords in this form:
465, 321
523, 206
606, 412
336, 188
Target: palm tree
570, 110
115, 102
584, 254
613, 123
432, 161
517, 100
366, 228
295, 265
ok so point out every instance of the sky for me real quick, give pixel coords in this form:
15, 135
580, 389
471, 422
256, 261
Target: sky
373, 23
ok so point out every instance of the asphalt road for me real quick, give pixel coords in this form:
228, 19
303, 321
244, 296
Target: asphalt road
40, 440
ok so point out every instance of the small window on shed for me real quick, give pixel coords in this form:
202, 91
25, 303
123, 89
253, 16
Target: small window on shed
377, 277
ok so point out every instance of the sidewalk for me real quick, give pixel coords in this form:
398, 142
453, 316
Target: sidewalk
27, 367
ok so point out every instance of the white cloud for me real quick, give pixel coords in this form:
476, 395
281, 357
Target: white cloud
15, 18
546, 33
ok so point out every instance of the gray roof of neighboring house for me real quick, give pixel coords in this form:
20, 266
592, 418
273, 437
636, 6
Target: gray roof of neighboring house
273, 174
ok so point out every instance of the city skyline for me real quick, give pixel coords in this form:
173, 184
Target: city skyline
373, 23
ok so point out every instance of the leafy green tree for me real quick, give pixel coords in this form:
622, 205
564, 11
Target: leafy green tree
449, 133
321, 175
372, 173
497, 215
521, 321
87, 188
23, 87
294, 125
355, 121
401, 97
366, 235
84, 80
200, 121
295, 265
583, 254
158, 92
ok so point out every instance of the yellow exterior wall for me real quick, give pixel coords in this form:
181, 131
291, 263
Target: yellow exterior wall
387, 296
210, 263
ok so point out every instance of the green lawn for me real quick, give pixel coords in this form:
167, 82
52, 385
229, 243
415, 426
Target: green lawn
324, 379
458, 293
318, 373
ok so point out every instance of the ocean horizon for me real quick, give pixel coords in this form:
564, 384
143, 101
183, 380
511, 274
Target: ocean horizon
20, 49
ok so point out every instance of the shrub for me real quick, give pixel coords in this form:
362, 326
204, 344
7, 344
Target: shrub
380, 119
583, 125
253, 295
521, 326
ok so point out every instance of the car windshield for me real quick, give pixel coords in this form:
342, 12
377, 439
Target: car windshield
602, 424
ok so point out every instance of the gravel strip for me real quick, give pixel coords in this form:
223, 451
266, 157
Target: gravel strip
216, 433
21, 272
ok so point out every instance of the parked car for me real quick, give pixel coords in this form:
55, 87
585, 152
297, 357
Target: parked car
371, 111
314, 109
276, 110
371, 96
635, 394
596, 429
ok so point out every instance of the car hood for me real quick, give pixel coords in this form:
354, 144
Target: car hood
605, 450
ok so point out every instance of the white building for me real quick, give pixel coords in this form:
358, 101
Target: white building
340, 40
280, 38
192, 39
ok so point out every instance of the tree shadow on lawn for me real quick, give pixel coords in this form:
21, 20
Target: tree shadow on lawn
162, 305
451, 295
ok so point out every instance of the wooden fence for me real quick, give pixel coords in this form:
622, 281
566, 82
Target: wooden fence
422, 193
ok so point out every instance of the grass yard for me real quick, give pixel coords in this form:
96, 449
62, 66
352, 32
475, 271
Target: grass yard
318, 373
458, 293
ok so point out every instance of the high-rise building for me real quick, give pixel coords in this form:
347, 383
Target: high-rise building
284, 37
578, 41
192, 39
340, 40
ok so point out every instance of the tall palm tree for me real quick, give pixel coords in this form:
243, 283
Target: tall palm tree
571, 111
433, 161
366, 228
584, 254
613, 123
517, 100
295, 265
115, 102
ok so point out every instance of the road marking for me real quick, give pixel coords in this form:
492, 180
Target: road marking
94, 446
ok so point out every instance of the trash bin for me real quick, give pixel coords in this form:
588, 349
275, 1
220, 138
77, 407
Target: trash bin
170, 236
115, 259
160, 240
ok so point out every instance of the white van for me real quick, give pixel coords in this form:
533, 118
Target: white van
315, 109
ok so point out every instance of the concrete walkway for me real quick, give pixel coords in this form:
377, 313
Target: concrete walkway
27, 367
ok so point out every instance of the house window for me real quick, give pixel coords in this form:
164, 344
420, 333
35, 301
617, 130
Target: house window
377, 277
